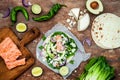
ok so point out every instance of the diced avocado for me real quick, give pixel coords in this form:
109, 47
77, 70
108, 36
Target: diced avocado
69, 58
73, 50
51, 55
73, 44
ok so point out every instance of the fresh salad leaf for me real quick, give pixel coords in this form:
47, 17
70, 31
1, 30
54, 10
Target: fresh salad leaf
59, 33
41, 47
72, 62
43, 37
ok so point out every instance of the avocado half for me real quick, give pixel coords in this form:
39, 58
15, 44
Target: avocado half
94, 6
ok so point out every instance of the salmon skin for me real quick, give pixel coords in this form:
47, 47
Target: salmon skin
9, 52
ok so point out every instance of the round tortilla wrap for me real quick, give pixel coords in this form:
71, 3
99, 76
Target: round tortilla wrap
105, 31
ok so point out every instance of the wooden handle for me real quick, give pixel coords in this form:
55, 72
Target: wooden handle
29, 36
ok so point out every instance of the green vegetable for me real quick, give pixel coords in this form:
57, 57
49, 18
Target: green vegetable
44, 37
41, 47
72, 61
53, 11
97, 69
91, 62
50, 64
15, 10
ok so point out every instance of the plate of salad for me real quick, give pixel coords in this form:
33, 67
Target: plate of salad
59, 48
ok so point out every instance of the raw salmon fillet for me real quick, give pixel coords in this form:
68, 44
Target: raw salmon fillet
15, 63
9, 52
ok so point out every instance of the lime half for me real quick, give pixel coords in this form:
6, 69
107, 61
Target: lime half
64, 70
37, 71
21, 27
36, 9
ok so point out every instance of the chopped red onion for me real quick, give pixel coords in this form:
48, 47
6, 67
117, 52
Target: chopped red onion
26, 5
81, 52
53, 40
7, 13
63, 63
88, 41
63, 47
41, 54
29, 3
44, 43
56, 57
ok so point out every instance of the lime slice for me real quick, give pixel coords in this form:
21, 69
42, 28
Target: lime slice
36, 9
37, 71
64, 70
21, 27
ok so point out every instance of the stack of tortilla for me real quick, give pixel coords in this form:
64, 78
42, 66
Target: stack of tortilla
105, 31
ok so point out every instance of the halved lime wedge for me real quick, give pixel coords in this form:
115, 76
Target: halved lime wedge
64, 70
21, 27
37, 71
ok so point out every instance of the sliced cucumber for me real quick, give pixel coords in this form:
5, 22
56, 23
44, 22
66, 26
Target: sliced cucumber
36, 9
64, 70
37, 71
21, 27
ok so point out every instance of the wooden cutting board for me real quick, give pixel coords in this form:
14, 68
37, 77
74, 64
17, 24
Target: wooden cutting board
6, 74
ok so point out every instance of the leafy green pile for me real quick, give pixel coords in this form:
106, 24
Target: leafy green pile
97, 69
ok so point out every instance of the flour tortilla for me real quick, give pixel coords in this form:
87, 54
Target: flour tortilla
106, 31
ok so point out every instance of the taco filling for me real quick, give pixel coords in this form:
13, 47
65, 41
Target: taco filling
58, 49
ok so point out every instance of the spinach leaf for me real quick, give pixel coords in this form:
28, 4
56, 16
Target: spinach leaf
72, 62
41, 47
43, 37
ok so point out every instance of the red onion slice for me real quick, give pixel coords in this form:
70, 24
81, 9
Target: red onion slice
26, 5
7, 13
53, 40
42, 54
88, 41
29, 3
63, 63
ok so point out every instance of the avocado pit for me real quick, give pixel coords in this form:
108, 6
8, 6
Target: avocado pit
94, 5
